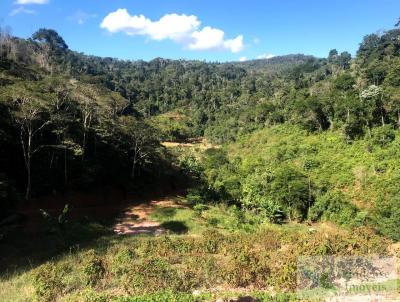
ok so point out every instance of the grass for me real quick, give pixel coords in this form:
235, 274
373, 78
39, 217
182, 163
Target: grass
221, 259
220, 217
215, 250
16, 287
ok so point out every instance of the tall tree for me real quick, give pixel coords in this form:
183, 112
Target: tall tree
30, 117
141, 141
87, 97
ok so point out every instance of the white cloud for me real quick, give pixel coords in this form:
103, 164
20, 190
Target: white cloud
81, 17
212, 38
242, 59
22, 2
256, 40
182, 29
265, 56
22, 10
170, 26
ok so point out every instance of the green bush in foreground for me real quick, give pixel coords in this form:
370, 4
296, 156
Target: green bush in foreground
93, 268
48, 281
176, 266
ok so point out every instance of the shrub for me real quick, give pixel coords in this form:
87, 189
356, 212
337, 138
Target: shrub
248, 268
334, 206
88, 295
382, 136
48, 281
93, 268
272, 211
388, 218
152, 275
200, 208
164, 296
204, 271
285, 185
122, 260
212, 241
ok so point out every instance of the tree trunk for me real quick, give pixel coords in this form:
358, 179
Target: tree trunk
84, 144
309, 191
398, 119
369, 129
135, 155
133, 169
65, 166
28, 185
331, 123
27, 156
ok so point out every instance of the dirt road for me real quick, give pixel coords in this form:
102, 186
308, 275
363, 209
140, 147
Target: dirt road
135, 219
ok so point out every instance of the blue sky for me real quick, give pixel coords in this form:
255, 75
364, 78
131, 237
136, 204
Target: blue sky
212, 30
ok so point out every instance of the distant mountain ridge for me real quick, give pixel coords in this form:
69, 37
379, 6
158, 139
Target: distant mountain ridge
277, 63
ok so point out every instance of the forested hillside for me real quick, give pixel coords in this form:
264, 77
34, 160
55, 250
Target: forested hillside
268, 160
68, 119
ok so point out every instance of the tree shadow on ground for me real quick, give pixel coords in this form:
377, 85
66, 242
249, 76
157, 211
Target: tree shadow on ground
174, 226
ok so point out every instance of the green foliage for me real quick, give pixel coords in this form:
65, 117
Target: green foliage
60, 220
122, 261
93, 268
329, 175
164, 297
50, 37
388, 218
91, 130
58, 225
190, 165
151, 275
174, 266
334, 206
382, 136
48, 281
271, 210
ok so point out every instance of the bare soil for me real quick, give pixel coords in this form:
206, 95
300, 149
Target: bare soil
135, 219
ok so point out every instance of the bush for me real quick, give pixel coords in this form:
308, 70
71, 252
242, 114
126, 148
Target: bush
93, 268
164, 296
196, 196
200, 208
48, 281
248, 268
152, 275
212, 241
272, 211
382, 136
388, 218
334, 206
285, 185
122, 260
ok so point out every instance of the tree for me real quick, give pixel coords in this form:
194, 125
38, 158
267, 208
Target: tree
87, 98
333, 55
30, 117
368, 46
372, 99
50, 37
284, 186
398, 23
6, 44
140, 140
52, 46
344, 60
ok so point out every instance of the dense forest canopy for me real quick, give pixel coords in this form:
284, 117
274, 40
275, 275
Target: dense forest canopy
69, 119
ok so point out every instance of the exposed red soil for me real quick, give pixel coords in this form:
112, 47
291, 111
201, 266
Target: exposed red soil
135, 219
